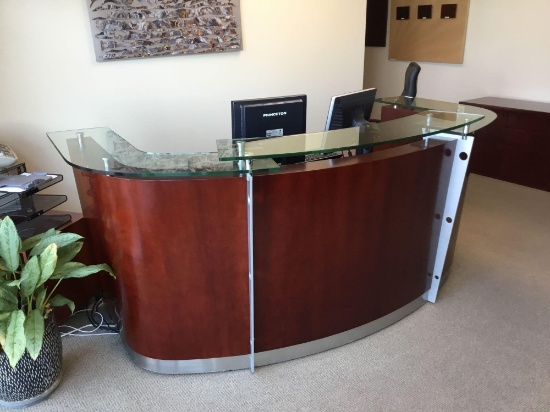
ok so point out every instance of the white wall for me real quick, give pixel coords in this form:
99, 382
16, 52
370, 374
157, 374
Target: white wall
507, 54
50, 81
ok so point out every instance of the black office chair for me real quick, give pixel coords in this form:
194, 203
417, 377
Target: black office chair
411, 78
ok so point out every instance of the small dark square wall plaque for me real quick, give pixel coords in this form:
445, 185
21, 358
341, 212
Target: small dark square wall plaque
448, 11
425, 12
403, 13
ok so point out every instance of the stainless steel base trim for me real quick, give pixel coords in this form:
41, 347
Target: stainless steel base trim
340, 339
178, 367
273, 356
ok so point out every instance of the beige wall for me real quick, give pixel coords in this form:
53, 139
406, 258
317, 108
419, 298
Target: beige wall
507, 54
50, 80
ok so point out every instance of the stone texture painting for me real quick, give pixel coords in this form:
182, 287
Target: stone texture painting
127, 29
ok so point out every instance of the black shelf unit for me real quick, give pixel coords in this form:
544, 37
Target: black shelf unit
27, 208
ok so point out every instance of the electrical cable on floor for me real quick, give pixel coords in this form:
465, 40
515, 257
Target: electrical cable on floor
84, 330
102, 315
109, 317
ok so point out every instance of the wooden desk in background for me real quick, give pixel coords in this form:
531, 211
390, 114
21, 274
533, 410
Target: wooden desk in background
516, 146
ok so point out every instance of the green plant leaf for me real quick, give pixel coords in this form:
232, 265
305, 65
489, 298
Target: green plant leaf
14, 347
81, 271
4, 315
59, 300
30, 275
61, 270
3, 330
10, 285
61, 239
67, 253
34, 333
10, 242
106, 268
8, 300
3, 266
14, 283
40, 299
32, 241
48, 261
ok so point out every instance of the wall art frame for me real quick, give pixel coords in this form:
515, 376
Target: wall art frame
130, 29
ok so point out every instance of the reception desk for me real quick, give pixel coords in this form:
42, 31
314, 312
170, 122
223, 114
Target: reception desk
226, 260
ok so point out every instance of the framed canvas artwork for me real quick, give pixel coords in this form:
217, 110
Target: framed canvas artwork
129, 29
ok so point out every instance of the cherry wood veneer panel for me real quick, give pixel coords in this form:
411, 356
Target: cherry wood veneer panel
338, 247
179, 248
514, 148
337, 244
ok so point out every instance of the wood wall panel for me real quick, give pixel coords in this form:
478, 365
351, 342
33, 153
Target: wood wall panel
377, 23
430, 40
179, 249
337, 248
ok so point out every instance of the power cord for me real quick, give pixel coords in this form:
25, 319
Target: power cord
82, 330
102, 315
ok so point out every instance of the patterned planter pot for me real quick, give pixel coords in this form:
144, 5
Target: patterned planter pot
32, 380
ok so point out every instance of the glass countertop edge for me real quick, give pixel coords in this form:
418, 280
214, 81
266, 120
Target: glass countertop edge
418, 103
99, 136
266, 165
156, 175
450, 129
423, 104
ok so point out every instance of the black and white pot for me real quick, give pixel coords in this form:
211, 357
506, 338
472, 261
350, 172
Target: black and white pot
32, 380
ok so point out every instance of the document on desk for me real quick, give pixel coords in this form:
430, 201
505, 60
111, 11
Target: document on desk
23, 181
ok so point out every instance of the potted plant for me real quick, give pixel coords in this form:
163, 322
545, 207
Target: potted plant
30, 272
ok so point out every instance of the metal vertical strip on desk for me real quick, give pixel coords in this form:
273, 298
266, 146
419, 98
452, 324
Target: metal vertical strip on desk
250, 218
451, 196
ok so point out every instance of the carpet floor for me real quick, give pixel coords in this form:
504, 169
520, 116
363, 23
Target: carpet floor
483, 346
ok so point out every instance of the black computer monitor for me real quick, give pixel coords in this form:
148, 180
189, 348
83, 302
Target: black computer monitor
270, 117
351, 110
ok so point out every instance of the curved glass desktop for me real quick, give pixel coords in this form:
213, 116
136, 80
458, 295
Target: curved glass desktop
102, 150
226, 260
